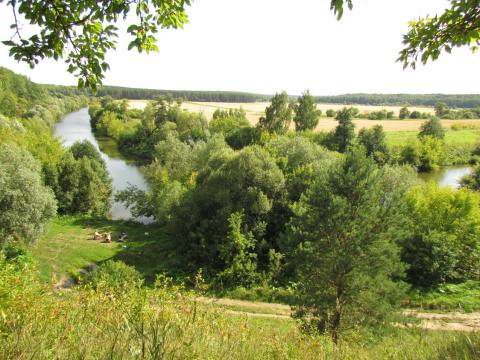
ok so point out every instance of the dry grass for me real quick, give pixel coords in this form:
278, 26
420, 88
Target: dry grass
256, 110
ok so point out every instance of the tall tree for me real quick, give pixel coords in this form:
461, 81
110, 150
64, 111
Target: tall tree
347, 257
404, 113
441, 109
374, 141
278, 115
26, 205
306, 113
345, 130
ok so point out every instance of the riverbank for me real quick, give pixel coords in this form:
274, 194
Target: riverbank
68, 247
76, 127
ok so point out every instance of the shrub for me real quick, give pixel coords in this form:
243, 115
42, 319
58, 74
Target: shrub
114, 275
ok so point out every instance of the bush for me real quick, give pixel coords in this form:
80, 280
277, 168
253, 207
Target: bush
114, 275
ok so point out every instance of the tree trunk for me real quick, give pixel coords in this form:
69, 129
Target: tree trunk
336, 318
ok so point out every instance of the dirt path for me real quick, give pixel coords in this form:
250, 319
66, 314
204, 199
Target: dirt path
452, 321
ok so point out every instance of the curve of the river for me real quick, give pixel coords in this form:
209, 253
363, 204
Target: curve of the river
76, 127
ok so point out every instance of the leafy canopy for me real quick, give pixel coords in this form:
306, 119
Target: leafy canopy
82, 32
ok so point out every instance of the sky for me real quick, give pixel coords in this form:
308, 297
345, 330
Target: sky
266, 46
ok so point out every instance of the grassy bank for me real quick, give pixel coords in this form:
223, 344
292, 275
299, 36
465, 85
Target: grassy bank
68, 246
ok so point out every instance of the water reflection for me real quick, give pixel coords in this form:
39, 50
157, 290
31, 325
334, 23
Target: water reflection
447, 176
76, 127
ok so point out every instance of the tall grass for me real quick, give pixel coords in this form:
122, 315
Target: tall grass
131, 322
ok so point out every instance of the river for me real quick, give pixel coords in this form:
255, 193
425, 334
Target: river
447, 176
76, 127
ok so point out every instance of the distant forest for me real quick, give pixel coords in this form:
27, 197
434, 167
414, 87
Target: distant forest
191, 95
117, 92
453, 101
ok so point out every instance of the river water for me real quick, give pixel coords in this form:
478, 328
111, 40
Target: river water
447, 176
76, 127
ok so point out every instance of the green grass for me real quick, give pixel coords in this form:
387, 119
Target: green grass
452, 297
67, 247
460, 137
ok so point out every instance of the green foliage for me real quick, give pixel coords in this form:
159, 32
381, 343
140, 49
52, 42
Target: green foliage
85, 148
404, 113
444, 243
463, 297
83, 33
345, 227
114, 276
243, 137
227, 122
169, 322
375, 144
425, 155
472, 181
248, 181
345, 131
80, 181
278, 115
441, 109
306, 113
380, 115
26, 205
433, 128
331, 113
191, 95
429, 36
238, 252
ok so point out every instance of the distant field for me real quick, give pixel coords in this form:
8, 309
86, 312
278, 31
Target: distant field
461, 137
256, 110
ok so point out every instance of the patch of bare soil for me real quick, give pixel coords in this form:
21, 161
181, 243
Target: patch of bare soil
453, 321
255, 306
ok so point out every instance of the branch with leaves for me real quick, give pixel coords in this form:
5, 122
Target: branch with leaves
82, 32
458, 26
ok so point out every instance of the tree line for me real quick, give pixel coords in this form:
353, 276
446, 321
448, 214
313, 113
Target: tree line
454, 101
190, 95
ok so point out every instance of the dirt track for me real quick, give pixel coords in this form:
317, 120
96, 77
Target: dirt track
452, 321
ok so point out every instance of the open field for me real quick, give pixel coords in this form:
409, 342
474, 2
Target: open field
256, 110
460, 137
